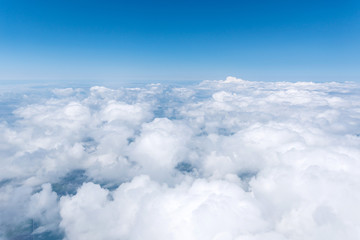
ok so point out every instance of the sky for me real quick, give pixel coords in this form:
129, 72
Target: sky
148, 41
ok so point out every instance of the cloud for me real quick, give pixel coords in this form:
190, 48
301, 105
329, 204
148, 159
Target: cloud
197, 210
43, 207
229, 159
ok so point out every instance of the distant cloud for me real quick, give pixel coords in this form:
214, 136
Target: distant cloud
228, 159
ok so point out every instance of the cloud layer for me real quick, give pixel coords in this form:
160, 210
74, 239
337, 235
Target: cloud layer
228, 159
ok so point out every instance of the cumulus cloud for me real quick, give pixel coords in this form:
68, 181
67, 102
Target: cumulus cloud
230, 159
191, 210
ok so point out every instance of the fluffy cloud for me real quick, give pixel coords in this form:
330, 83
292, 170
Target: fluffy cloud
145, 209
228, 159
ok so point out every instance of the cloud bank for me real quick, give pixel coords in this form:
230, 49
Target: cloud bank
220, 160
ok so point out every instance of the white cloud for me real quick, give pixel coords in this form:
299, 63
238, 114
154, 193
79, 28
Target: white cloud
145, 209
43, 207
228, 159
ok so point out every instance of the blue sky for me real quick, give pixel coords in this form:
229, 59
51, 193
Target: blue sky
179, 40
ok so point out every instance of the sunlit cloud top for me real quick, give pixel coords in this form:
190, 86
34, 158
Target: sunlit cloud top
229, 159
